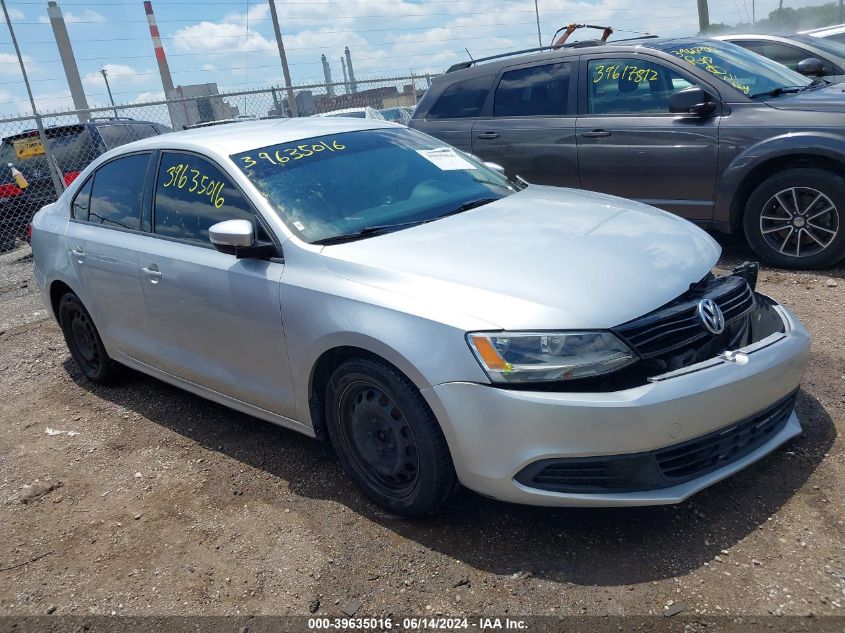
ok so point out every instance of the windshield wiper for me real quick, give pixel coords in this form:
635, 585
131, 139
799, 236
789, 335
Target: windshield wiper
367, 231
466, 206
377, 229
779, 91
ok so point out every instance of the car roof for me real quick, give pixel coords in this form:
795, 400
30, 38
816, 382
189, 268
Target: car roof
56, 130
495, 62
246, 135
825, 30
753, 36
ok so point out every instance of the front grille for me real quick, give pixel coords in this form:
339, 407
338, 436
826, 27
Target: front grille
677, 323
696, 457
663, 467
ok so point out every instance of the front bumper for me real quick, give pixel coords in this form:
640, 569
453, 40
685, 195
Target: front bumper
495, 433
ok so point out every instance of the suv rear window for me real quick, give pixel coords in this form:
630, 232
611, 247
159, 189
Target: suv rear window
73, 148
461, 100
534, 91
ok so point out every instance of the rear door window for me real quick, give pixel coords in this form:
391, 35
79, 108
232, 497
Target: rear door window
117, 192
463, 99
534, 91
192, 194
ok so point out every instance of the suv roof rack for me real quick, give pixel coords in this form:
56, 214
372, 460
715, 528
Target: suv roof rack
538, 49
111, 118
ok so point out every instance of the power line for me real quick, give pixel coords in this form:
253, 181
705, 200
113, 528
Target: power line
312, 18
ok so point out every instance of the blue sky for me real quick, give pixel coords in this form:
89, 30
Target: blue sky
231, 42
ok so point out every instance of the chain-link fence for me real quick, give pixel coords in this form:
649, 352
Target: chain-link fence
40, 156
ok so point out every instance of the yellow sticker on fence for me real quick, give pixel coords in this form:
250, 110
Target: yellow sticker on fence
28, 147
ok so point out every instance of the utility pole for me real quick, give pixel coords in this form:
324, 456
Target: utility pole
703, 16
537, 13
106, 77
841, 12
753, 12
77, 93
291, 97
58, 179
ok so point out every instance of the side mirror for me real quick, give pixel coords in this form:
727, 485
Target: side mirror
811, 67
495, 167
230, 235
693, 101
237, 237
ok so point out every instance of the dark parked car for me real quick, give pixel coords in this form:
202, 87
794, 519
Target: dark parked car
73, 146
795, 51
702, 128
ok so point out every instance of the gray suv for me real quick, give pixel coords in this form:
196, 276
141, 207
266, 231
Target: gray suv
702, 128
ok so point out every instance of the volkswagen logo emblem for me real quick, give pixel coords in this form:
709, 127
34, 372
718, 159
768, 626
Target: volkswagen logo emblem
711, 316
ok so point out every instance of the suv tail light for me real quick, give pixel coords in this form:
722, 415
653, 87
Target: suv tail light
70, 177
29, 233
9, 189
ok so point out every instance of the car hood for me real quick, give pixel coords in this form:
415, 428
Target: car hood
542, 258
828, 99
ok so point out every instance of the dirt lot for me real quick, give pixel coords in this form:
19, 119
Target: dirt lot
169, 504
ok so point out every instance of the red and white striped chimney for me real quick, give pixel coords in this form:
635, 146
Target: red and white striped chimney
166, 81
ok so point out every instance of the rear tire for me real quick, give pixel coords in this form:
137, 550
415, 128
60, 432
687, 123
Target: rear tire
84, 342
796, 219
387, 438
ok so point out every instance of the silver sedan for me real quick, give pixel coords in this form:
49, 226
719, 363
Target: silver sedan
359, 282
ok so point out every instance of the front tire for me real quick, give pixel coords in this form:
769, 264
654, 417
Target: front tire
796, 219
387, 439
84, 342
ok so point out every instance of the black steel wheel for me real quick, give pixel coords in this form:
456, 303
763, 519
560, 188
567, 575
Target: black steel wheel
387, 438
795, 219
379, 438
84, 342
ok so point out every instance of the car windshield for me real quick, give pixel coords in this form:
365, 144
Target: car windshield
359, 183
827, 44
746, 71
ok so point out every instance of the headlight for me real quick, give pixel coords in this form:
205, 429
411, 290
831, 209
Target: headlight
548, 356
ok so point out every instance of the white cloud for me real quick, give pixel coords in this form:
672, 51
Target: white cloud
215, 37
149, 95
15, 14
118, 74
74, 18
9, 66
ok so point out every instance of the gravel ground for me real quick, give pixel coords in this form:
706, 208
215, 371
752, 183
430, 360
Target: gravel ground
163, 503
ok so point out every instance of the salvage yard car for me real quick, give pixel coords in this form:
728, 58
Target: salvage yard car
356, 280
702, 128
73, 146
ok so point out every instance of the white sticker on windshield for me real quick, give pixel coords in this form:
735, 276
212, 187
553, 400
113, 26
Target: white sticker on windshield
446, 158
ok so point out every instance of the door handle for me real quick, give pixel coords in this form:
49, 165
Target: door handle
78, 253
153, 273
595, 134
487, 135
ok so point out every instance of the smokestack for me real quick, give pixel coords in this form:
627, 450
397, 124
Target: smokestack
166, 81
327, 73
345, 78
352, 85
57, 21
